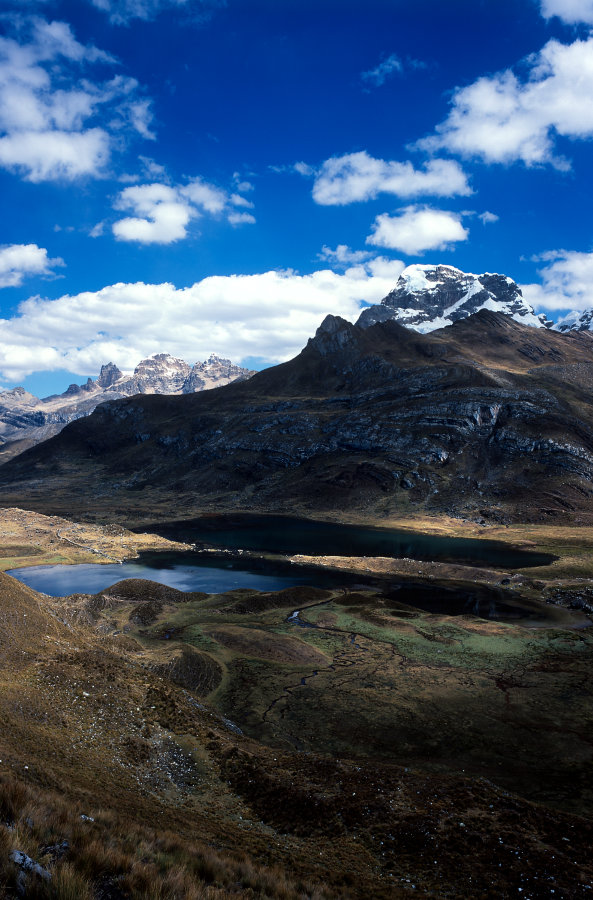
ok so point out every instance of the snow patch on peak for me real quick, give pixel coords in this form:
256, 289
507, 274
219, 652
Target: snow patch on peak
427, 297
576, 321
416, 277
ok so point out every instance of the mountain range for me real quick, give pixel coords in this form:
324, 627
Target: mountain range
486, 418
425, 298
25, 419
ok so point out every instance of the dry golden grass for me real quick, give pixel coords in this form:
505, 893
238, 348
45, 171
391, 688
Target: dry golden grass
115, 857
31, 539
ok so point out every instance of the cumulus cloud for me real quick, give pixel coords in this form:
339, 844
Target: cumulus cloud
161, 216
163, 212
269, 315
359, 176
416, 229
572, 12
504, 119
19, 260
55, 155
49, 128
379, 75
567, 281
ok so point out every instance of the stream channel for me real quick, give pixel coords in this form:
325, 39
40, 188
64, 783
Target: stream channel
247, 551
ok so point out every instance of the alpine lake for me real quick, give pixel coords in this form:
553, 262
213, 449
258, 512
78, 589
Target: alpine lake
252, 552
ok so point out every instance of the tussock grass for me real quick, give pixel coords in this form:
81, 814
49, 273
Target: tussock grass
114, 857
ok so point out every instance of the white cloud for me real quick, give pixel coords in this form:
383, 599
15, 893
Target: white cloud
161, 215
140, 114
241, 218
567, 281
19, 260
163, 212
152, 168
301, 167
503, 119
416, 229
488, 217
571, 12
270, 315
204, 195
49, 128
238, 200
121, 12
55, 155
382, 72
243, 186
343, 255
359, 176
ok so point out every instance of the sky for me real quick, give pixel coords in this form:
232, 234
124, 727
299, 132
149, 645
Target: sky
198, 176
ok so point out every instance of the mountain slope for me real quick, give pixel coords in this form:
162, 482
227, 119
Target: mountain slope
486, 418
426, 298
138, 766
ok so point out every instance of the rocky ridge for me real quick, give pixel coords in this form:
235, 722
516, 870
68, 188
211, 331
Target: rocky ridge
487, 419
25, 419
428, 297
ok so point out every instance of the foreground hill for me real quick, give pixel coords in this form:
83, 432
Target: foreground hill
486, 418
183, 746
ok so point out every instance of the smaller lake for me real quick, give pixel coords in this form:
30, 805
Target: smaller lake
290, 536
197, 572
184, 571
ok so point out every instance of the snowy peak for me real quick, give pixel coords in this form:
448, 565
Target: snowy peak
429, 297
158, 374
214, 372
576, 321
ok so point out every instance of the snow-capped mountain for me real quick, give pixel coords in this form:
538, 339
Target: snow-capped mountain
27, 420
429, 297
576, 321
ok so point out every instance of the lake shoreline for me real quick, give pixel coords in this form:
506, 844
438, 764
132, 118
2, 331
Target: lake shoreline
31, 539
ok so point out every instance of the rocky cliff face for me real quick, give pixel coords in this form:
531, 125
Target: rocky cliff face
487, 419
426, 298
25, 419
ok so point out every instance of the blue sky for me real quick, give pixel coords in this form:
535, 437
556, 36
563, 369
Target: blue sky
196, 176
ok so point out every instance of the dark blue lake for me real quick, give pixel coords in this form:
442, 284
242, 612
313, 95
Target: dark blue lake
199, 571
282, 534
